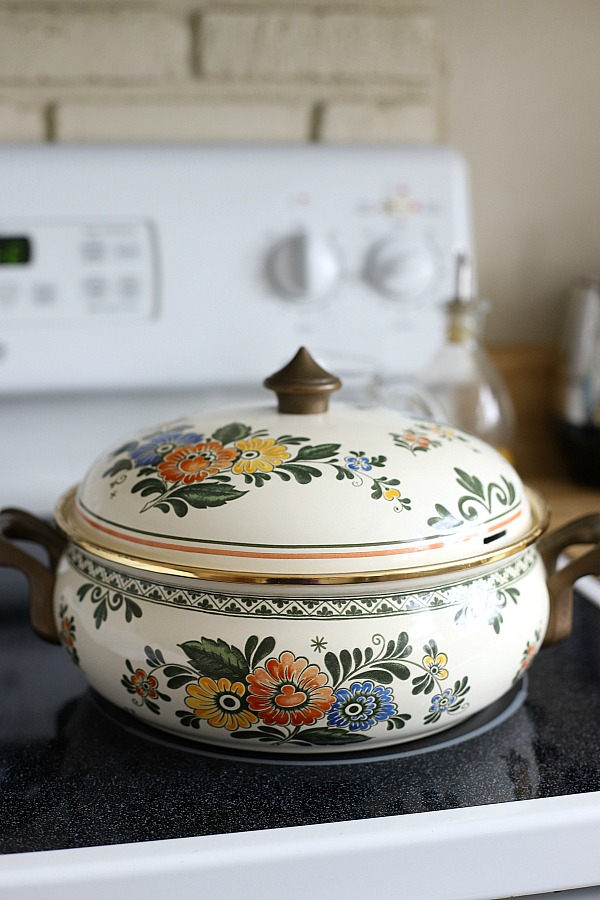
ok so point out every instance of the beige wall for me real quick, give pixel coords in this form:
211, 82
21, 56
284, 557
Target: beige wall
513, 84
522, 103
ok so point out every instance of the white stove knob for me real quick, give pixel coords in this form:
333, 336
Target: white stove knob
401, 267
304, 267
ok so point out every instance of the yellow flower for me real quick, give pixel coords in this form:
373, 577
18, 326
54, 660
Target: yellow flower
256, 453
436, 666
221, 703
391, 494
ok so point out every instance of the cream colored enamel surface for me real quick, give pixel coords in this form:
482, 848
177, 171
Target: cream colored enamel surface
485, 637
369, 504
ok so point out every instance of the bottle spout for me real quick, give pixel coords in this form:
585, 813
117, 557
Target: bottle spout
463, 291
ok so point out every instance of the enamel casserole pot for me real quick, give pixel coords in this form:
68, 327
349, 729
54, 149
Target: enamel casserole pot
303, 580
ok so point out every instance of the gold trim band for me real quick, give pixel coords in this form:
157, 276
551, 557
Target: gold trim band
66, 523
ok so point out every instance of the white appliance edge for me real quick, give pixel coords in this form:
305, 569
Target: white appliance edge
481, 853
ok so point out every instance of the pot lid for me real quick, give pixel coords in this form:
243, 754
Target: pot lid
302, 492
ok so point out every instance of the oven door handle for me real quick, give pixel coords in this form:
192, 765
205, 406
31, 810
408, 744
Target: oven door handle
18, 525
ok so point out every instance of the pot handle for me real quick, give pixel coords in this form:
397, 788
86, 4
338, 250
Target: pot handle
585, 530
16, 524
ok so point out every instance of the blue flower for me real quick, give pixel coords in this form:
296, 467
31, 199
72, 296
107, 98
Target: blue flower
442, 702
358, 463
361, 705
157, 447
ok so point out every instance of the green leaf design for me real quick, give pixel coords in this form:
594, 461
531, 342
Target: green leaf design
403, 648
378, 675
316, 451
333, 666
171, 671
343, 473
178, 681
290, 439
126, 448
131, 609
251, 645
261, 478
302, 474
148, 486
397, 669
511, 491
462, 687
235, 431
216, 659
376, 490
470, 483
265, 648
178, 506
431, 649
513, 593
324, 736
100, 613
346, 661
122, 465
423, 684
444, 521
398, 721
207, 494
262, 733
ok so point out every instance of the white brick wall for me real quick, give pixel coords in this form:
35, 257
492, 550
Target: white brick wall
226, 121
383, 122
187, 70
317, 45
66, 45
21, 123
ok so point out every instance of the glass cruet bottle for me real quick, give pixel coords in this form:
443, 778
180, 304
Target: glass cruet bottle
462, 378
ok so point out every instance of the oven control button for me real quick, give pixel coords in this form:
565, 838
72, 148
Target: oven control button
93, 251
304, 268
95, 287
44, 294
9, 294
401, 268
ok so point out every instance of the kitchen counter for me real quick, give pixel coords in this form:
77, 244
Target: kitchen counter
530, 373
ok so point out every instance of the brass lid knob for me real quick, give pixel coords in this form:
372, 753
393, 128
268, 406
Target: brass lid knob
303, 387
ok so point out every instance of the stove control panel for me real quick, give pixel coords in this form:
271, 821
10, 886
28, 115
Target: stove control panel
77, 270
200, 266
305, 268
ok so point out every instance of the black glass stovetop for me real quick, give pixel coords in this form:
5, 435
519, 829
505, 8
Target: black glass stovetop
72, 776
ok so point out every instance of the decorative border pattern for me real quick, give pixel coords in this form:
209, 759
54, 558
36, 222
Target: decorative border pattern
132, 590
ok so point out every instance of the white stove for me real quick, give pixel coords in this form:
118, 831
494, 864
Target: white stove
139, 283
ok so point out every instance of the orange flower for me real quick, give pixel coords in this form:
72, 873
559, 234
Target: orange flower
145, 685
67, 632
195, 462
256, 453
530, 651
289, 691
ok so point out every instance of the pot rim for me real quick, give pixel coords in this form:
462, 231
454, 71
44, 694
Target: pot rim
67, 524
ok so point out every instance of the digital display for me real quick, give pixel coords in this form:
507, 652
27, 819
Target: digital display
14, 250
